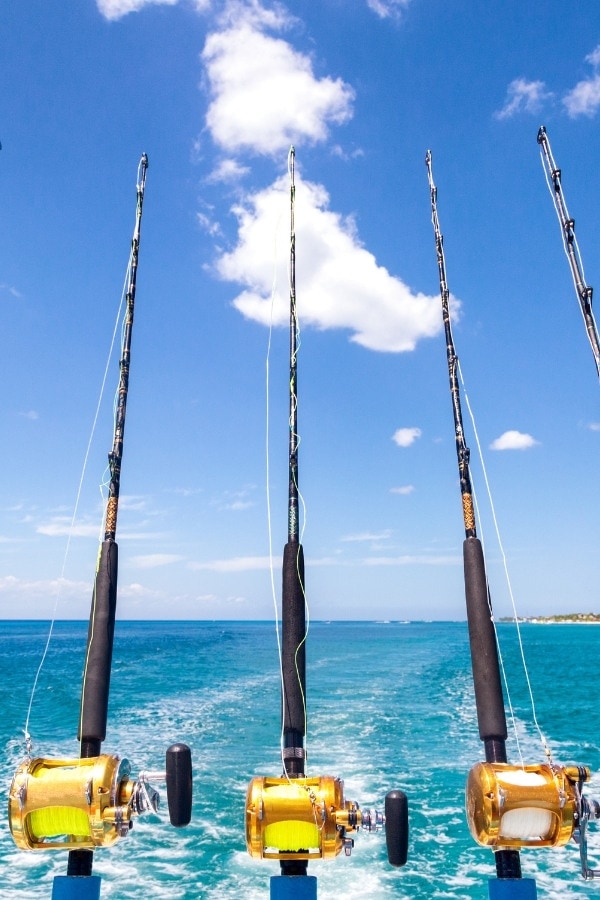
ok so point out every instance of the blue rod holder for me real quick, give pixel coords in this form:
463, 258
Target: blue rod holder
71, 887
512, 889
293, 887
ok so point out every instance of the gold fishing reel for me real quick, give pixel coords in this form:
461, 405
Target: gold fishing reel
308, 818
78, 804
529, 806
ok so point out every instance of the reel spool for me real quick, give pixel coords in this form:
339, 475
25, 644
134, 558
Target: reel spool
79, 804
530, 806
308, 818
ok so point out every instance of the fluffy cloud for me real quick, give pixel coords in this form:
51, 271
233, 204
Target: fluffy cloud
584, 99
513, 440
412, 560
339, 283
62, 526
228, 170
154, 560
30, 590
523, 96
386, 8
264, 94
405, 490
115, 9
235, 564
367, 536
404, 437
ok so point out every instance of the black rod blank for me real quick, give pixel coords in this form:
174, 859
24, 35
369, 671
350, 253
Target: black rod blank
293, 617
485, 664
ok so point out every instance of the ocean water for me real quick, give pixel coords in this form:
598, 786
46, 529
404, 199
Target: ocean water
389, 705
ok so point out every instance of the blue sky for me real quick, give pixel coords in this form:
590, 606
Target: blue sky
215, 92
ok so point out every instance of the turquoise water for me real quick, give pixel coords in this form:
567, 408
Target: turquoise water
389, 705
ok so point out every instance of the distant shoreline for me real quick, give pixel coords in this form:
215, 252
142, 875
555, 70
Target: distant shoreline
566, 619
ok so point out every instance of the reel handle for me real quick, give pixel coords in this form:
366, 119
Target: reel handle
179, 784
396, 827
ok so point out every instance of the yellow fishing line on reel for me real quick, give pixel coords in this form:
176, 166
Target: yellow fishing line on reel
71, 803
298, 818
79, 804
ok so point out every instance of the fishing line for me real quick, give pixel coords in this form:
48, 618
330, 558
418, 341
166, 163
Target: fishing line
28, 740
511, 594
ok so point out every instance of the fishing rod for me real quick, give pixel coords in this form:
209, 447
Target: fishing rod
584, 291
293, 605
508, 807
90, 802
296, 818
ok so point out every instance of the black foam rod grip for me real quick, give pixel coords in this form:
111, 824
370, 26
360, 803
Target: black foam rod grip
96, 677
179, 784
484, 652
396, 827
293, 634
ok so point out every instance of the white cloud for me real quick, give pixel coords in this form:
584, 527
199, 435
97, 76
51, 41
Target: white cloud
62, 526
594, 57
254, 14
30, 590
584, 99
208, 224
513, 440
235, 564
264, 94
132, 502
236, 500
228, 170
404, 437
412, 560
136, 591
153, 560
594, 426
368, 536
116, 9
386, 8
30, 414
523, 96
339, 284
10, 290
404, 490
